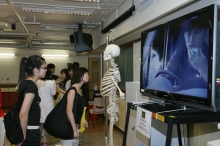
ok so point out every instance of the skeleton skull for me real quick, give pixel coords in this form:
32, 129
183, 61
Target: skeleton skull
111, 51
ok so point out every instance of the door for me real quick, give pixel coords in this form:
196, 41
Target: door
94, 75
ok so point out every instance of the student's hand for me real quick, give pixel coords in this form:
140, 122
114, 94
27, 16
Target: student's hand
76, 133
86, 125
20, 143
197, 60
58, 88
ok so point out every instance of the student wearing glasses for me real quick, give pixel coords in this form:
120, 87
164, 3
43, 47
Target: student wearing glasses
31, 69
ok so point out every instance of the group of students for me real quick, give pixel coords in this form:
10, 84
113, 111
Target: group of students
35, 92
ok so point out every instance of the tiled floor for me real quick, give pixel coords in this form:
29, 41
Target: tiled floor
90, 137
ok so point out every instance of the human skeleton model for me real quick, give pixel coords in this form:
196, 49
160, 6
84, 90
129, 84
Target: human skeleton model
109, 86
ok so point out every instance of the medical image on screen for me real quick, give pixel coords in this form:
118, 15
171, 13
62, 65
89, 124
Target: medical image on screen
180, 63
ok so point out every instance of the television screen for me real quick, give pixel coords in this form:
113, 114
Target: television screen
177, 59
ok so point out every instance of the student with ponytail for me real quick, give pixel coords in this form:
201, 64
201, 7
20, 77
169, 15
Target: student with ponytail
31, 69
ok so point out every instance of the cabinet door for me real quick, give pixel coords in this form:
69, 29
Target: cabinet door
8, 99
12, 98
5, 97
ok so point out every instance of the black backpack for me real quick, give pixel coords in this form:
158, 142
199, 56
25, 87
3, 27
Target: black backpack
57, 123
12, 124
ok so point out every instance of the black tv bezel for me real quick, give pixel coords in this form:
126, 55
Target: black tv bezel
192, 101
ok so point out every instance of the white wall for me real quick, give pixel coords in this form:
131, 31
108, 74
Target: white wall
136, 61
9, 66
201, 133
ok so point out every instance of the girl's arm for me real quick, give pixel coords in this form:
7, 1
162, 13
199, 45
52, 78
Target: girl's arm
59, 89
23, 115
70, 115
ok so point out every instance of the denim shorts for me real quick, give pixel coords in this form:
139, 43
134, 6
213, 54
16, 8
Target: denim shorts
32, 138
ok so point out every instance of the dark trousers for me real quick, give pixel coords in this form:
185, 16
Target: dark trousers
32, 138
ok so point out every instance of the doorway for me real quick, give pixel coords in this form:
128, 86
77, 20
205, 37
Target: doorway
94, 75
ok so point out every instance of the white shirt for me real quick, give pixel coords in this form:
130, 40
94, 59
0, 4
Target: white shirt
68, 84
46, 90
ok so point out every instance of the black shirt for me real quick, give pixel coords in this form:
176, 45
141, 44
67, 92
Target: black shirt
79, 103
28, 86
54, 77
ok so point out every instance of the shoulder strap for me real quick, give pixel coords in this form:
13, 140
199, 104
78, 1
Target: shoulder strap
73, 88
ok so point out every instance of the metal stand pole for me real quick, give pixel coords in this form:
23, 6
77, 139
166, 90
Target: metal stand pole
106, 103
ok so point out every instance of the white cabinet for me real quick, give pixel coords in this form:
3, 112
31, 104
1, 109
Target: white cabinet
158, 129
135, 138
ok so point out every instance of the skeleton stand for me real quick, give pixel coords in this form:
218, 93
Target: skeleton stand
106, 103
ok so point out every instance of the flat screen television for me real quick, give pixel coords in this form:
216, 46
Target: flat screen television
179, 59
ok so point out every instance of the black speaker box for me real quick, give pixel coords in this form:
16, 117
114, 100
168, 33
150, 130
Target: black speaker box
72, 40
13, 26
87, 38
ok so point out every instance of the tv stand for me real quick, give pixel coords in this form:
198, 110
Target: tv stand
171, 117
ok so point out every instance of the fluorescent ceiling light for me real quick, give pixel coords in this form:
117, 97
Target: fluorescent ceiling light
59, 26
95, 1
54, 55
7, 54
57, 43
57, 11
66, 26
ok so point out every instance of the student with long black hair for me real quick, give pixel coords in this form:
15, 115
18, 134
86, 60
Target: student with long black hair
64, 84
31, 69
80, 76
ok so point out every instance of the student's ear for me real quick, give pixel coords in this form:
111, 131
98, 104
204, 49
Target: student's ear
35, 70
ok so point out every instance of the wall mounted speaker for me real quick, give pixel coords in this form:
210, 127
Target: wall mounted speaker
13, 26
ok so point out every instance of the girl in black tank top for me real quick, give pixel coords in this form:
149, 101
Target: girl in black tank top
75, 101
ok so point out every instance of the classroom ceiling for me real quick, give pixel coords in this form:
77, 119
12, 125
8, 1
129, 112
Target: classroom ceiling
48, 24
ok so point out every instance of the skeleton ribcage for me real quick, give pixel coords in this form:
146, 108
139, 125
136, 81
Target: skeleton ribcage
108, 87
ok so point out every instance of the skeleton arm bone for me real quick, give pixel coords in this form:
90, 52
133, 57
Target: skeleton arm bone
120, 92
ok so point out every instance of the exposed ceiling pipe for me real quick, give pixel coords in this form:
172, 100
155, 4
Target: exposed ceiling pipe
19, 17
34, 34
